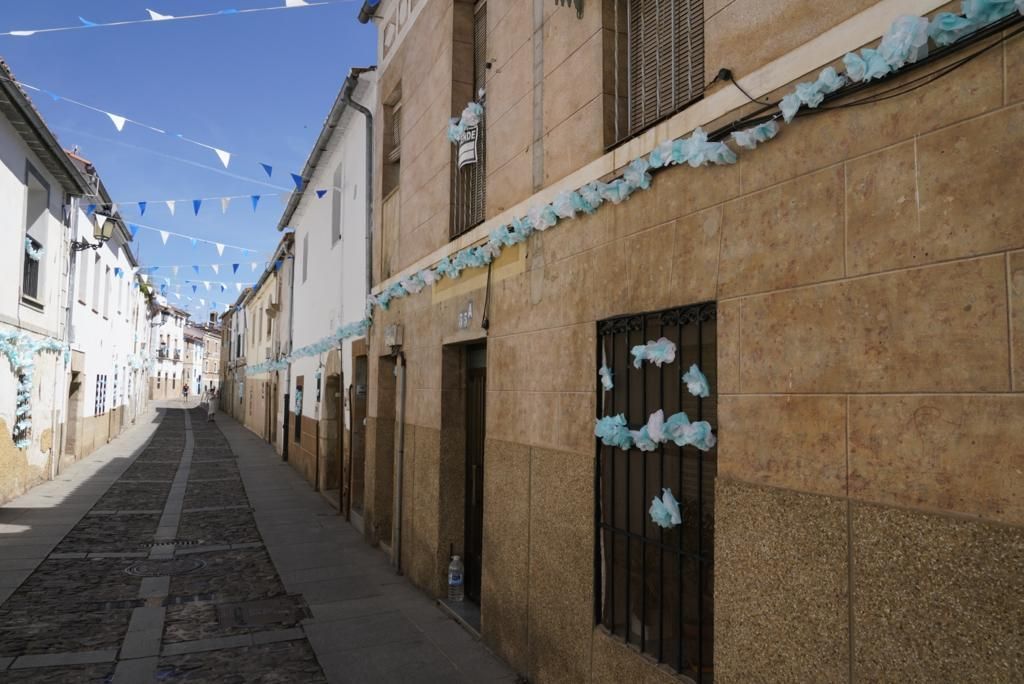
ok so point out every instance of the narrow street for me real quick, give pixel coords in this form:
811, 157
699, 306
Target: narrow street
187, 552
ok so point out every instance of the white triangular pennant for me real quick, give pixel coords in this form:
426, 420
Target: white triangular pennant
119, 121
101, 220
177, 295
145, 278
164, 235
113, 208
295, 3
206, 283
170, 206
216, 268
220, 249
202, 302
174, 269
225, 202
225, 157
253, 266
238, 286
156, 16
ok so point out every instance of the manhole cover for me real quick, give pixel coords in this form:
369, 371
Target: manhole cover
169, 567
283, 609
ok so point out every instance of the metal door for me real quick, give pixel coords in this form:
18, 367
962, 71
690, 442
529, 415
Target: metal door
476, 397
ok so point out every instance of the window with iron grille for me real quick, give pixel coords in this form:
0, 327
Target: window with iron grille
30, 275
657, 50
100, 404
654, 587
469, 181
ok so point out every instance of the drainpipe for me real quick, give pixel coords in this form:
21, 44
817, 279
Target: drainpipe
399, 463
350, 86
291, 336
59, 395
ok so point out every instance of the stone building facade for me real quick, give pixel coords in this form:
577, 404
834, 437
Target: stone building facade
853, 290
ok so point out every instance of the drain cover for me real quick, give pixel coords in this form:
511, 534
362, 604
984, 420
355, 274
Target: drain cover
283, 609
169, 567
173, 542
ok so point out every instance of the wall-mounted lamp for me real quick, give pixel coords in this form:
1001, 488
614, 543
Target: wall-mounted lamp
102, 232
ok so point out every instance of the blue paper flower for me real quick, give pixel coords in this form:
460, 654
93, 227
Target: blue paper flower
680, 430
651, 435
982, 12
905, 41
947, 28
612, 431
696, 383
661, 155
752, 137
636, 174
664, 512
566, 204
657, 352
606, 378
790, 105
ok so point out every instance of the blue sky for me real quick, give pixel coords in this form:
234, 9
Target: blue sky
257, 85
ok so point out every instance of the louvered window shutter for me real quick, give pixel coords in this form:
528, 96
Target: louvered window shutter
395, 153
666, 58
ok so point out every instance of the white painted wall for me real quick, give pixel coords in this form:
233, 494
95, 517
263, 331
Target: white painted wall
40, 214
330, 245
107, 316
169, 325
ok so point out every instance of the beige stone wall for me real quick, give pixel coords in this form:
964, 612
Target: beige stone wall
16, 475
868, 267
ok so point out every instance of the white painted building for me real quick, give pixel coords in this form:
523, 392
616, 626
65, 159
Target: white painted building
330, 220
167, 340
109, 329
37, 180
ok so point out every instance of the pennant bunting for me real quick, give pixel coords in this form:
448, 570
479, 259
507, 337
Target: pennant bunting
86, 22
297, 180
170, 206
156, 16
268, 169
216, 268
234, 268
134, 229
142, 208
225, 202
196, 203
194, 288
101, 221
206, 284
119, 121
222, 289
196, 269
225, 157
320, 194
195, 243
295, 3
220, 249
253, 266
164, 235
255, 201
89, 209
174, 269
238, 286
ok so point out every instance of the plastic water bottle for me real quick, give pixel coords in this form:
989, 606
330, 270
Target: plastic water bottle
456, 575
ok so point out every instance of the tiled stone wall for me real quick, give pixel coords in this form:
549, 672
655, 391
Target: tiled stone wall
869, 271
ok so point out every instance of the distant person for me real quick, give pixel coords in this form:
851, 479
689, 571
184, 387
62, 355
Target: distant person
184, 389
211, 405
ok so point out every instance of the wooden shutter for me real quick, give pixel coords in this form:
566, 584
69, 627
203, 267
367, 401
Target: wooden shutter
395, 153
666, 58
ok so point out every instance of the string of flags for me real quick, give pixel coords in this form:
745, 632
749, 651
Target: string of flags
224, 156
234, 267
155, 16
165, 235
142, 206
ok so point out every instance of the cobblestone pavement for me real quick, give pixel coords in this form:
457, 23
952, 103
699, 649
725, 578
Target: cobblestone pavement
197, 556
164, 579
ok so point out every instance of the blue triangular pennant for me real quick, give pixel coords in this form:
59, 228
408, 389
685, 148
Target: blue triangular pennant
245, 252
234, 268
54, 96
268, 168
195, 243
194, 288
297, 180
228, 11
196, 203
86, 22
134, 229
89, 209
255, 201
222, 288
142, 208
320, 194
196, 269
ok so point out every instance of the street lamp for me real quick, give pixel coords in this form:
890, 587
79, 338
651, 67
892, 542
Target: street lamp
102, 232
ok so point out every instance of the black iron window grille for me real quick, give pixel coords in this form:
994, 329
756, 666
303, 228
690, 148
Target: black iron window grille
469, 179
30, 275
654, 587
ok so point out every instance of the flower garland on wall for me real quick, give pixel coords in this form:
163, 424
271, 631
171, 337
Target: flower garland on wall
905, 42
20, 350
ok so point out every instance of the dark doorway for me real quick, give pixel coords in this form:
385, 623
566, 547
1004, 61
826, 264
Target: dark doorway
358, 456
476, 399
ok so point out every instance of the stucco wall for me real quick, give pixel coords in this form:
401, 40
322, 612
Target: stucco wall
868, 267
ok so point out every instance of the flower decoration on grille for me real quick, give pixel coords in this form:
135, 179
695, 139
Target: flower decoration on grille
696, 382
471, 116
31, 251
665, 511
657, 352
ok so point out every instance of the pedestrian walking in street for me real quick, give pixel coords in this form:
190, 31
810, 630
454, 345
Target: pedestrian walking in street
184, 390
211, 405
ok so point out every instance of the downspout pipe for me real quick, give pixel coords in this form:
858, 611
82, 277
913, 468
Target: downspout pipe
396, 525
349, 88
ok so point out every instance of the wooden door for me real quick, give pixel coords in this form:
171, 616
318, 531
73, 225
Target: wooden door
476, 397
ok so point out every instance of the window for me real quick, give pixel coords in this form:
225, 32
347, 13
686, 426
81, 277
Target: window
174, 381
158, 381
657, 54
298, 407
106, 292
305, 257
100, 404
37, 202
654, 587
97, 275
337, 203
30, 280
469, 164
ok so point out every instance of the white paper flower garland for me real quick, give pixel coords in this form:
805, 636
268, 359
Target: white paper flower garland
31, 251
20, 350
